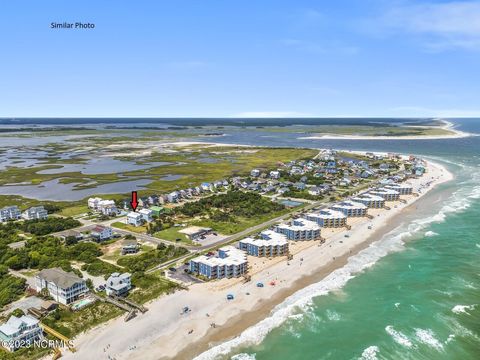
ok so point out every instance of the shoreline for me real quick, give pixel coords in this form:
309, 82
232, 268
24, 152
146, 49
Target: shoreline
152, 334
448, 126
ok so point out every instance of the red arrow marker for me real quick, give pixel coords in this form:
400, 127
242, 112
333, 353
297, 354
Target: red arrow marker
134, 202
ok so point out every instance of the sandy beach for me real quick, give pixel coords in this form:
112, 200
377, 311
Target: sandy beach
163, 333
448, 126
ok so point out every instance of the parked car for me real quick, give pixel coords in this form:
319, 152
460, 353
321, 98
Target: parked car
172, 269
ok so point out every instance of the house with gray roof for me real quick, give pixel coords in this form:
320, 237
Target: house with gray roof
64, 287
20, 331
118, 284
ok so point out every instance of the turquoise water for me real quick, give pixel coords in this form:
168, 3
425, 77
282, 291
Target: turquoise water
414, 294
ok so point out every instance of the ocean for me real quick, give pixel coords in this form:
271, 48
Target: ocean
414, 294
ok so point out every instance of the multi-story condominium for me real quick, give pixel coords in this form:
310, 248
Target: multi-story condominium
10, 213
134, 218
101, 232
387, 194
106, 207
36, 212
328, 218
18, 331
299, 229
230, 262
370, 200
403, 189
93, 202
270, 244
62, 286
118, 284
147, 215
351, 208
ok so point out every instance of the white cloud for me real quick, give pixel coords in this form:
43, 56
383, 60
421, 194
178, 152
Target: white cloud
441, 26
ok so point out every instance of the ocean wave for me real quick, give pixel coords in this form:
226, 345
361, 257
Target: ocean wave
370, 353
302, 299
243, 356
431, 233
458, 309
333, 315
427, 337
398, 337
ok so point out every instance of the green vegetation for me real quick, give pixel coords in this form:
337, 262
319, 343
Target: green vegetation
150, 286
98, 267
149, 259
48, 226
172, 234
11, 287
71, 323
137, 229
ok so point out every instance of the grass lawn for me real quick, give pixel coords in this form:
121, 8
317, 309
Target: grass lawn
74, 210
137, 229
171, 234
240, 224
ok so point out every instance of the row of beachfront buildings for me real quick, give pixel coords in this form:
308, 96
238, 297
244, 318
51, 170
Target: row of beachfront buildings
11, 213
232, 261
64, 288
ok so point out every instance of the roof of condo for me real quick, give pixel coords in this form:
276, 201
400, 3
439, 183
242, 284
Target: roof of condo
270, 238
348, 204
300, 224
368, 196
327, 214
384, 191
234, 257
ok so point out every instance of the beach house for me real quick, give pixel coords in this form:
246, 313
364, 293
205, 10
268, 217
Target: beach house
387, 194
299, 229
134, 218
350, 208
269, 244
328, 218
101, 233
10, 213
275, 174
229, 262
93, 202
63, 287
156, 210
403, 189
147, 215
255, 173
370, 200
34, 213
20, 331
118, 284
130, 247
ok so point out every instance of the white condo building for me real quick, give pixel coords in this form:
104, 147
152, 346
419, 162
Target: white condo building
34, 213
230, 262
403, 189
134, 218
387, 194
62, 286
370, 200
20, 330
269, 244
328, 218
10, 213
299, 229
147, 214
350, 208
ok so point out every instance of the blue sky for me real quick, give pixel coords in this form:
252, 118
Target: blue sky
240, 58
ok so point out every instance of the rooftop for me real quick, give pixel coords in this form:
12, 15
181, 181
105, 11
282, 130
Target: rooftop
59, 277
